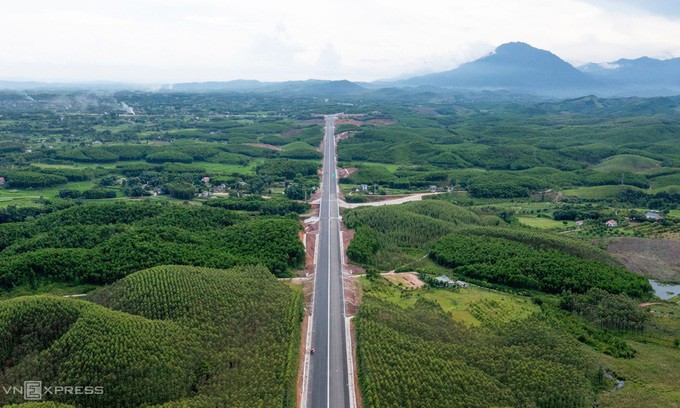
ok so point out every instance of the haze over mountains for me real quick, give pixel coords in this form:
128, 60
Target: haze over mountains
515, 67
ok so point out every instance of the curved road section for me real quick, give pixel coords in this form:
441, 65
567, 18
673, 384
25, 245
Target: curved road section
328, 369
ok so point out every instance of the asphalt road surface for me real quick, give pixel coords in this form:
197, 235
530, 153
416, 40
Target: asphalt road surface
328, 379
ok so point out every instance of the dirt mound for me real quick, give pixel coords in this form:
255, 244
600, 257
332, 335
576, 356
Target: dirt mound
408, 280
291, 132
655, 258
344, 173
381, 121
346, 135
344, 121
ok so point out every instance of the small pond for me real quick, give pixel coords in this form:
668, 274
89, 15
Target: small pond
665, 290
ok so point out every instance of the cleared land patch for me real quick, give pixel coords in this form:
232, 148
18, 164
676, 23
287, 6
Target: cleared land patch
655, 258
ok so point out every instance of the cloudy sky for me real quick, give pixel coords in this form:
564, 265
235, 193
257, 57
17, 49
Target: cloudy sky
159, 41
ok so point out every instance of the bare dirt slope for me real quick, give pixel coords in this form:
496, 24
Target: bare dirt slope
264, 146
655, 258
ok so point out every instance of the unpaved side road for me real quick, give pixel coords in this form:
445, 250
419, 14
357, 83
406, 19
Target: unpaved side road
400, 200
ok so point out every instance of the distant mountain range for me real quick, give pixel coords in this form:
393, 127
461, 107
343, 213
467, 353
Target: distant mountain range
309, 87
520, 67
515, 68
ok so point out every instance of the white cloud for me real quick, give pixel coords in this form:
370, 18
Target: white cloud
609, 65
194, 40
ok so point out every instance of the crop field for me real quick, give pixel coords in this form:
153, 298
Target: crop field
544, 223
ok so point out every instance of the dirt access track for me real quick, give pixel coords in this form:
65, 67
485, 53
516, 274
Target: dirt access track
398, 200
654, 258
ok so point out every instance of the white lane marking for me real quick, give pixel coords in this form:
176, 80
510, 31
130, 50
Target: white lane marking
328, 304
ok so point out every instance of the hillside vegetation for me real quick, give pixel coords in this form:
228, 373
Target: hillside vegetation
627, 163
420, 357
174, 335
102, 242
515, 264
389, 236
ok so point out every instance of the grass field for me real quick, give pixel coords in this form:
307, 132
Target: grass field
627, 162
390, 167
598, 192
24, 196
228, 169
57, 289
472, 305
215, 168
544, 223
667, 189
297, 145
674, 213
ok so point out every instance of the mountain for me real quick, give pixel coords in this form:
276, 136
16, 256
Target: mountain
639, 75
68, 86
513, 66
308, 87
226, 86
513, 71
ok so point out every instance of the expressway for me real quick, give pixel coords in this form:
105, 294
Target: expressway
328, 385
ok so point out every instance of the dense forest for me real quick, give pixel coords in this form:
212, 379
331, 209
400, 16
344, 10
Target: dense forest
102, 242
520, 265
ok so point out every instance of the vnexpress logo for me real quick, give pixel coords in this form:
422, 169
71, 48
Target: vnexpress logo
32, 390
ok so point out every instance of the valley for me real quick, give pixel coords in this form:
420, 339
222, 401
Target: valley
187, 213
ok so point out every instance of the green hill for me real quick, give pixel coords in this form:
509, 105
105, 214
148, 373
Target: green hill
626, 162
419, 354
99, 243
599, 192
171, 334
390, 236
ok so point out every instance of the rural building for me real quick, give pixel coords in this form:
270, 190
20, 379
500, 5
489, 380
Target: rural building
653, 215
612, 223
363, 187
579, 223
444, 280
205, 180
462, 284
2, 181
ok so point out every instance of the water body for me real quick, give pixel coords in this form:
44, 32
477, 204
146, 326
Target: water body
665, 290
619, 383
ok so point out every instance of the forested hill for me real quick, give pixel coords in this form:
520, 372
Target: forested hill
180, 335
102, 242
